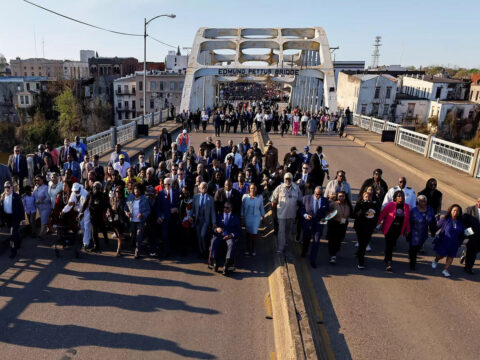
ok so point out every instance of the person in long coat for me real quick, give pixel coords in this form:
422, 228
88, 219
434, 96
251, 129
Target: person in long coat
253, 213
43, 203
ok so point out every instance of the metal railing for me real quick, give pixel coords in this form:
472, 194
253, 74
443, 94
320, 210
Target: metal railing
126, 132
457, 156
412, 140
460, 157
100, 143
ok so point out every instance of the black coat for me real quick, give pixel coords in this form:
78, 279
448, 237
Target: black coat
470, 219
23, 167
18, 212
221, 197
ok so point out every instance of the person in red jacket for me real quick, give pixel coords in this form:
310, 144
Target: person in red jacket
395, 217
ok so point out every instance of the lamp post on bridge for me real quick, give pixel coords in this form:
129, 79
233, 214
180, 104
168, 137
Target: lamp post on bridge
172, 16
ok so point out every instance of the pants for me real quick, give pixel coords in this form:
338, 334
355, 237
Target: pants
412, 255
137, 233
363, 236
201, 227
472, 249
307, 235
169, 228
335, 235
216, 243
286, 229
99, 228
204, 125
14, 234
85, 226
304, 127
31, 221
390, 241
311, 136
217, 130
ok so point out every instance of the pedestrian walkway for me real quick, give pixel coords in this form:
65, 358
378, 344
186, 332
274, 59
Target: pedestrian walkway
134, 147
459, 183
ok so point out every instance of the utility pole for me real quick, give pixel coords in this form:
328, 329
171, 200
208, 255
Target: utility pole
376, 51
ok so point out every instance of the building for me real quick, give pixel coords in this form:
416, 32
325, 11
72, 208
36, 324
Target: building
411, 108
53, 69
175, 61
349, 67
462, 109
367, 94
475, 89
164, 88
75, 70
4, 67
86, 54
150, 65
434, 87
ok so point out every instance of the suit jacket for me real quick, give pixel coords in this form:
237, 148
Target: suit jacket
223, 154
233, 172
165, 205
138, 168
154, 163
208, 206
75, 169
221, 197
232, 227
309, 208
243, 148
38, 162
23, 167
4, 176
316, 169
298, 176
470, 219
61, 155
100, 171
165, 145
18, 212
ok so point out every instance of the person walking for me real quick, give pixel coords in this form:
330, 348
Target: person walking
422, 219
285, 201
203, 216
17, 164
338, 184
449, 239
138, 209
337, 226
12, 214
379, 185
394, 219
409, 193
43, 204
471, 221
366, 214
434, 197
311, 128
117, 216
296, 124
253, 213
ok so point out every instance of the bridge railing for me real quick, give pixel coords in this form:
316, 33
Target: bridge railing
101, 142
460, 157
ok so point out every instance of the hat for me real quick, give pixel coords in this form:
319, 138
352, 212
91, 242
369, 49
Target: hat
76, 187
306, 147
293, 148
121, 156
184, 131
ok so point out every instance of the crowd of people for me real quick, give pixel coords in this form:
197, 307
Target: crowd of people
157, 206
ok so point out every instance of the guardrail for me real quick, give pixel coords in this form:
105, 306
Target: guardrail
460, 157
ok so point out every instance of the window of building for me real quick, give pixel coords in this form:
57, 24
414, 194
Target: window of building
152, 86
119, 89
141, 103
22, 100
374, 109
119, 105
39, 68
134, 104
24, 74
152, 105
27, 100
377, 92
140, 85
32, 68
389, 92
40, 73
28, 86
385, 109
125, 89
364, 109
119, 116
161, 85
180, 86
125, 103
33, 74
133, 89
172, 85
37, 86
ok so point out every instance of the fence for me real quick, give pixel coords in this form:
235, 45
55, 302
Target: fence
106, 140
460, 157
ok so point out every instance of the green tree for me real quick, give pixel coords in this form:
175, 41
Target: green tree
70, 119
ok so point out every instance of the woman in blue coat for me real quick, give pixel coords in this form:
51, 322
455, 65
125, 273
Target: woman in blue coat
422, 219
43, 203
253, 212
450, 237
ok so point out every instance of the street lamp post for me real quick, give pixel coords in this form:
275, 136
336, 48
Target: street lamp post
172, 16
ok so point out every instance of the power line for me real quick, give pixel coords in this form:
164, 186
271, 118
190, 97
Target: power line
161, 42
83, 22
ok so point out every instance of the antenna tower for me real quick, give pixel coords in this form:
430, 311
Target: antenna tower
376, 51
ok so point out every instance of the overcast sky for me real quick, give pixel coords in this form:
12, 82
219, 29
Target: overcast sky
420, 32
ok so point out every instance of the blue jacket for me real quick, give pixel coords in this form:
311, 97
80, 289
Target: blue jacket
75, 169
420, 224
144, 205
233, 226
308, 208
164, 206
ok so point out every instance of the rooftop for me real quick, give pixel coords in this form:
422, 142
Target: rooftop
437, 79
19, 79
366, 77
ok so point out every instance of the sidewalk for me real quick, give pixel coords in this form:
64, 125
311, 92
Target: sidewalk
458, 183
144, 143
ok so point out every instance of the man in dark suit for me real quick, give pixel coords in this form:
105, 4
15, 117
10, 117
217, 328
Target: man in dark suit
227, 232
231, 170
38, 159
156, 158
12, 214
203, 214
141, 163
17, 164
318, 167
72, 165
471, 220
65, 150
228, 193
169, 202
217, 122
315, 208
214, 169
219, 152
5, 175
99, 170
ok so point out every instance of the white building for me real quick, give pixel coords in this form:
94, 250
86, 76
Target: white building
463, 109
411, 108
434, 88
175, 61
164, 89
345, 66
367, 94
75, 70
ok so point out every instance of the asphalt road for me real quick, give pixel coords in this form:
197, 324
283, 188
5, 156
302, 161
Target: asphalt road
372, 314
103, 307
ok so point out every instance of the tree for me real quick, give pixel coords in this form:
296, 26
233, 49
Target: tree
70, 114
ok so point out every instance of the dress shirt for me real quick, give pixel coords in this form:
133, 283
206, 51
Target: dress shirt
228, 194
122, 169
7, 204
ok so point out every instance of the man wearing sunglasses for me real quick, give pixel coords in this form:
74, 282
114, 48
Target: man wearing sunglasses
410, 197
12, 214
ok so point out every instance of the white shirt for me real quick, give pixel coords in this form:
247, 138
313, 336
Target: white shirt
410, 197
7, 204
237, 159
135, 210
122, 169
259, 117
54, 191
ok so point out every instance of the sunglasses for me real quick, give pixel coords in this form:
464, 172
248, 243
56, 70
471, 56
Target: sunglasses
8, 187
226, 208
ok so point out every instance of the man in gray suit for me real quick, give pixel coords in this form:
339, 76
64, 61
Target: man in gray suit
203, 216
4, 176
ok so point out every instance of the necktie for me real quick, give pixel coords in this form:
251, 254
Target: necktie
218, 153
226, 219
66, 153
228, 194
17, 161
315, 209
228, 172
168, 197
156, 160
202, 200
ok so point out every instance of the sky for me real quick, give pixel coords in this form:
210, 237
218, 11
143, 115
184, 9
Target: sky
421, 32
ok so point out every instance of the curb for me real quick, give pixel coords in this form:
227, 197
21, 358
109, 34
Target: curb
421, 174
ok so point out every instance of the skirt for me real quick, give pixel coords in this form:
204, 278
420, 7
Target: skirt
251, 224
